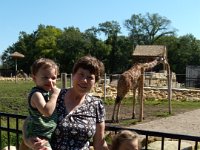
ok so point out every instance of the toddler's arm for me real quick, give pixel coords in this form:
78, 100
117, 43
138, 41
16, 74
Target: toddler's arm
46, 108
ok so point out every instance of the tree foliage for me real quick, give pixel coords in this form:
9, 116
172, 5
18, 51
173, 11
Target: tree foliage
66, 45
145, 30
182, 51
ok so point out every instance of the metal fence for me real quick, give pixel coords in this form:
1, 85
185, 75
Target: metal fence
12, 124
10, 129
162, 135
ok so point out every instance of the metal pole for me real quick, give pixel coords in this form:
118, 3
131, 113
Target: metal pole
105, 86
15, 70
64, 80
71, 81
16, 65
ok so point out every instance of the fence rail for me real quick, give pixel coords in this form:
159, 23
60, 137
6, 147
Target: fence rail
163, 135
13, 127
10, 131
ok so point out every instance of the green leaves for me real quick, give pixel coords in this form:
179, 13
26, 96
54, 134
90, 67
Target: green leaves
148, 28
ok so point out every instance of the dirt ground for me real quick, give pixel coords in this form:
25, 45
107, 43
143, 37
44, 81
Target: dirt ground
150, 113
182, 121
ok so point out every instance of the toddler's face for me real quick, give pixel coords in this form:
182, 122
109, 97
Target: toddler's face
129, 145
46, 78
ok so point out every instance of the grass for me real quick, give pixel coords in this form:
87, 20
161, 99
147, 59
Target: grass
13, 96
175, 103
152, 109
13, 99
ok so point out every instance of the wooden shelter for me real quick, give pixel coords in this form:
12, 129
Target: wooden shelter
146, 53
15, 56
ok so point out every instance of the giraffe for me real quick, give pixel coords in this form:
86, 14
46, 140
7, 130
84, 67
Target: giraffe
131, 79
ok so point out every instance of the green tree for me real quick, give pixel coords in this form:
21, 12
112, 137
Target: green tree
46, 42
145, 30
71, 47
111, 29
124, 59
185, 52
40, 43
96, 47
24, 45
171, 43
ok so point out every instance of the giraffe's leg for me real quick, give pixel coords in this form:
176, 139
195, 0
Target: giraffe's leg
139, 98
118, 111
114, 109
134, 103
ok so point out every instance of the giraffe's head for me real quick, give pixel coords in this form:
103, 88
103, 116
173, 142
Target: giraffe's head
160, 59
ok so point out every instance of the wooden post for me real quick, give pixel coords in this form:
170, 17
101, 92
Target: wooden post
64, 80
169, 80
15, 70
141, 95
105, 86
71, 84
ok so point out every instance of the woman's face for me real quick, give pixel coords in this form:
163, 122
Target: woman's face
83, 80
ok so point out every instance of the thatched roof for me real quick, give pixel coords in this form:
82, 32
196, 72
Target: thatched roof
150, 50
17, 55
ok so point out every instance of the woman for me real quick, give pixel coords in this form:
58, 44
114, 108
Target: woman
80, 116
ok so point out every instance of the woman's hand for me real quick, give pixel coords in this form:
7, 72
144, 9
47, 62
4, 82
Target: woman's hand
98, 141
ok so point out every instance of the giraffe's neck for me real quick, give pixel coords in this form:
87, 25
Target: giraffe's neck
150, 64
134, 71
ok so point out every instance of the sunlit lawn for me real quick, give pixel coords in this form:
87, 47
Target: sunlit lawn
13, 96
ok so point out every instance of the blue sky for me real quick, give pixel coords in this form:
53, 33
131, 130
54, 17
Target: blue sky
26, 15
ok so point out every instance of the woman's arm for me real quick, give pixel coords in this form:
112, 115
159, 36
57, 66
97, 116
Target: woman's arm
99, 142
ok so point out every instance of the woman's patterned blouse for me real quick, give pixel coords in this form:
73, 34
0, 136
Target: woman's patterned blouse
75, 129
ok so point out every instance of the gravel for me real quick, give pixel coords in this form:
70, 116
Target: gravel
187, 123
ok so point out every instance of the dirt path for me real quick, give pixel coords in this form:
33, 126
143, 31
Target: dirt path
187, 123
182, 122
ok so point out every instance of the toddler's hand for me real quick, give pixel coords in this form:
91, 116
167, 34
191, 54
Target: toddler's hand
54, 89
